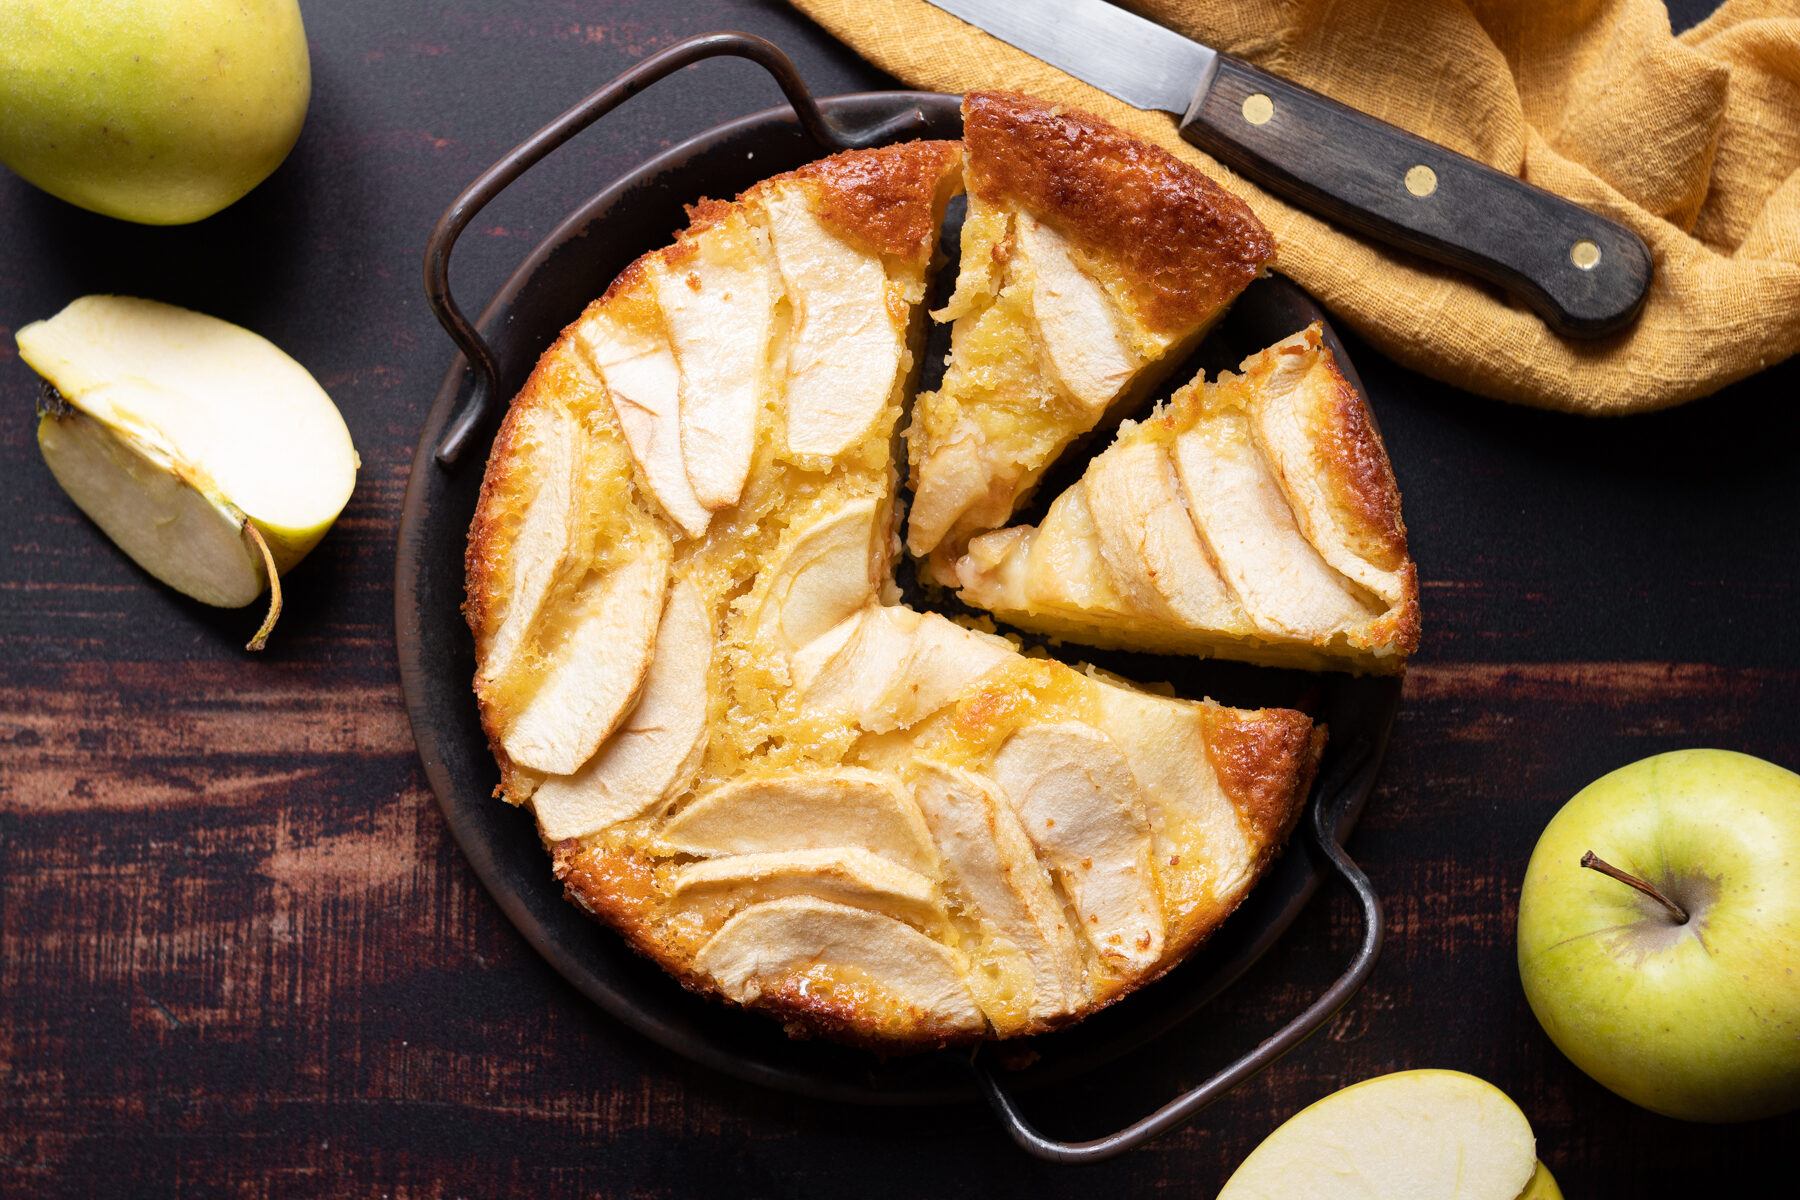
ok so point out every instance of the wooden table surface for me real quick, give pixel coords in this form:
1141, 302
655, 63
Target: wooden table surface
240, 955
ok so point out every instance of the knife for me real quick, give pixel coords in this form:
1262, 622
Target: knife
1584, 275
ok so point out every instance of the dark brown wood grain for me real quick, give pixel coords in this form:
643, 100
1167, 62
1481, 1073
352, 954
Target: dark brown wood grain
240, 956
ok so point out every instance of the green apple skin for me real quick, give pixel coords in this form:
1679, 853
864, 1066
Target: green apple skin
155, 111
1698, 1021
1542, 1186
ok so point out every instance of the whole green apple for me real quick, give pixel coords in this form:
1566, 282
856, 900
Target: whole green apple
1659, 934
157, 111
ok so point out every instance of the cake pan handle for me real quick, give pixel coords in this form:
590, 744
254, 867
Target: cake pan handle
485, 400
1322, 823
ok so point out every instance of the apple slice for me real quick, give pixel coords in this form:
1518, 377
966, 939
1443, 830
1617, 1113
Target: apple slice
630, 350
991, 869
1077, 799
595, 670
540, 547
843, 874
960, 479
1193, 821
1063, 563
1309, 415
846, 346
838, 806
942, 663
1148, 540
718, 292
803, 943
213, 459
1056, 564
817, 659
1424, 1135
821, 576
1076, 329
656, 752
1238, 506
893, 667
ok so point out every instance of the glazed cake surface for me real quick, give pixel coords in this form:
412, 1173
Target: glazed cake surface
787, 788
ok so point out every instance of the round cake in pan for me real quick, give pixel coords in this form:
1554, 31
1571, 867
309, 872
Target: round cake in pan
878, 824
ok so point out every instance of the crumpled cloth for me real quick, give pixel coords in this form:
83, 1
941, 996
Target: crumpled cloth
1692, 141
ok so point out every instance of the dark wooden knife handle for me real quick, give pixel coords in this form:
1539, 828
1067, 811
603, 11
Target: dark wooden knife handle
1585, 275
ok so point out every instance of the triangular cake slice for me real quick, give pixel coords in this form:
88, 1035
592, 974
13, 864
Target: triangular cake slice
1091, 264
1255, 518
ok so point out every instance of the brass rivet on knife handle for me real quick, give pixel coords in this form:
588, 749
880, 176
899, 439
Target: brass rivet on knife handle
1421, 180
1584, 254
1258, 109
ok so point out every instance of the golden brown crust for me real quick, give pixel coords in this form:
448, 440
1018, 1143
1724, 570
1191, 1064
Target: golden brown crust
886, 200
1185, 243
1359, 481
481, 558
1265, 761
1355, 467
1400, 626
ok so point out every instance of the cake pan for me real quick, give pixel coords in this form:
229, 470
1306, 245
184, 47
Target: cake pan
496, 352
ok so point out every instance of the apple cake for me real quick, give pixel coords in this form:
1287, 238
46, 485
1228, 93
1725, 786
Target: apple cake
786, 787
1254, 517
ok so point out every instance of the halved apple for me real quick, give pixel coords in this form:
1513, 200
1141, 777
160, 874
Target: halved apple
210, 457
1422, 1134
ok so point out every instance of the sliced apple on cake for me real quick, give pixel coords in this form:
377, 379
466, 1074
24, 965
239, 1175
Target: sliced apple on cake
1253, 517
1091, 264
788, 789
614, 519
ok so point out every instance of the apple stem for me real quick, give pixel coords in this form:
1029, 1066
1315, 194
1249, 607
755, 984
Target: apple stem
268, 626
1595, 863
52, 403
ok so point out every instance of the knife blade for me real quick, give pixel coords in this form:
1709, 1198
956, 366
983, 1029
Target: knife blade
1585, 275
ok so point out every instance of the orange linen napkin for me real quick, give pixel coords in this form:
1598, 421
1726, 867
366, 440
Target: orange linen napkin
1692, 141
